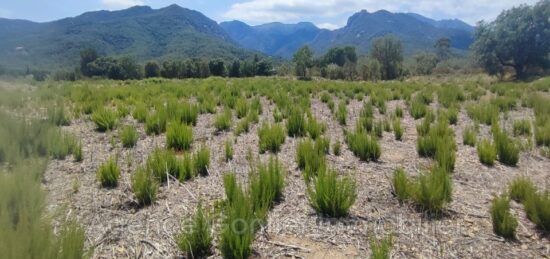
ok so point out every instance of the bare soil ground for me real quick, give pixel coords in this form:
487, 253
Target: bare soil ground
116, 227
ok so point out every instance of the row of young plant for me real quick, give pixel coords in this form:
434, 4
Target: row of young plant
243, 212
535, 203
432, 190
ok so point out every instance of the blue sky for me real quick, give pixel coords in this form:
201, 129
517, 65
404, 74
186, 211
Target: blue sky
325, 13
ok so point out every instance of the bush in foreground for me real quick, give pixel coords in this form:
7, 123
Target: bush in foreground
271, 137
104, 119
486, 152
128, 136
145, 186
238, 229
266, 187
331, 195
296, 124
521, 188
537, 207
108, 173
401, 185
179, 136
433, 190
310, 157
504, 223
222, 122
196, 240
381, 249
507, 149
162, 163
469, 136
202, 161
364, 146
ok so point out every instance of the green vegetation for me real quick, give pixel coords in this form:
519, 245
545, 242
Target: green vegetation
179, 136
507, 149
521, 188
266, 187
271, 137
486, 152
228, 150
364, 146
105, 119
195, 240
156, 122
434, 190
381, 249
401, 185
469, 136
145, 186
341, 113
522, 127
222, 121
128, 136
108, 173
310, 157
202, 161
537, 207
397, 129
504, 223
331, 195
238, 229
336, 148
162, 163
296, 124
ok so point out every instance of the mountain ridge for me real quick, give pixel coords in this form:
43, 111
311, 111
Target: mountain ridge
361, 28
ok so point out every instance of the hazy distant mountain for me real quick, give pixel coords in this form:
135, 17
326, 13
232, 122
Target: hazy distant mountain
276, 39
141, 32
417, 33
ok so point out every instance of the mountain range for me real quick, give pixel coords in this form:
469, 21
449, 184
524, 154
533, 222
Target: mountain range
174, 32
417, 33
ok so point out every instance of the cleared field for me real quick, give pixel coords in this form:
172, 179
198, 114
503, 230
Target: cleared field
188, 135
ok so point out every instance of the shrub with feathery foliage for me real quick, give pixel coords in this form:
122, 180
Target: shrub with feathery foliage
520, 188
105, 119
128, 136
271, 137
401, 185
363, 145
161, 163
222, 121
144, 186
469, 136
196, 239
504, 223
486, 152
433, 190
201, 161
179, 136
108, 173
331, 195
296, 123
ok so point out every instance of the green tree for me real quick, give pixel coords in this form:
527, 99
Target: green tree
217, 67
303, 60
388, 51
151, 69
264, 68
170, 69
370, 70
87, 56
519, 39
443, 49
425, 63
235, 70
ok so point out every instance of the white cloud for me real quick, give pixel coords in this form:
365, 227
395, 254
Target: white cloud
121, 3
328, 26
471, 11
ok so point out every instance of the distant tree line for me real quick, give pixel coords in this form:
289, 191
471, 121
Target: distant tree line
125, 68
